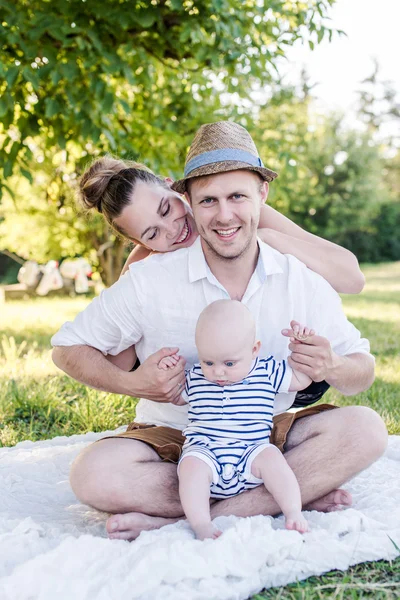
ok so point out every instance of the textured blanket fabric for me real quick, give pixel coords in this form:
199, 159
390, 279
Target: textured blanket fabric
53, 547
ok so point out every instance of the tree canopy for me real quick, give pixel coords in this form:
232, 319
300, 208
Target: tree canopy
134, 76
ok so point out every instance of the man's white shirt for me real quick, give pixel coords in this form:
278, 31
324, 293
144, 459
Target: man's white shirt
157, 302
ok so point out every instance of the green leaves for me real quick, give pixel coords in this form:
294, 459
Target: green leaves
146, 17
27, 174
11, 76
135, 58
53, 107
3, 107
107, 102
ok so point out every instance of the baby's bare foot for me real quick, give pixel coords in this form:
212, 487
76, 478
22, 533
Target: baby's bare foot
206, 531
296, 522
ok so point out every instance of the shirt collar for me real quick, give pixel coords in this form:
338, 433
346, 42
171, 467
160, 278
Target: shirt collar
267, 263
199, 269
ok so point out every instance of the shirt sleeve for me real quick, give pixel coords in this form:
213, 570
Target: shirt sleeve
279, 373
185, 392
111, 323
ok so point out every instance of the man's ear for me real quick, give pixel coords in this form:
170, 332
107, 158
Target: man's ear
188, 198
256, 349
264, 189
168, 180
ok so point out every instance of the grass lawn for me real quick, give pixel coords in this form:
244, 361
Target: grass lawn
38, 402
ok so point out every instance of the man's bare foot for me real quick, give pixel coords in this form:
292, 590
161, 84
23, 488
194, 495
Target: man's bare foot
336, 500
128, 526
296, 522
206, 531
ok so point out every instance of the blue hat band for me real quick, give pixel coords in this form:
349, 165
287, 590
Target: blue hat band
216, 156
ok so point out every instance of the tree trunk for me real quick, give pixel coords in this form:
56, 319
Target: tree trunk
111, 259
111, 255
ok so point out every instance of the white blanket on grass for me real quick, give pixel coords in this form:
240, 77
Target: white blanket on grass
53, 547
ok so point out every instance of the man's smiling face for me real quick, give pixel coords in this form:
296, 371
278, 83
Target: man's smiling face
226, 209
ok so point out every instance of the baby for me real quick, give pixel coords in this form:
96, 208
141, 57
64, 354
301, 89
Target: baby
231, 399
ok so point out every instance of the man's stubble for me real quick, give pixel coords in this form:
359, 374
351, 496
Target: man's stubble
239, 255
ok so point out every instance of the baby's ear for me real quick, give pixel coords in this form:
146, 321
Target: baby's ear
256, 349
168, 180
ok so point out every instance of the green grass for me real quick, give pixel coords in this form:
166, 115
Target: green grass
38, 402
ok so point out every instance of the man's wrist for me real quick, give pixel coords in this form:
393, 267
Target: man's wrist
335, 369
126, 383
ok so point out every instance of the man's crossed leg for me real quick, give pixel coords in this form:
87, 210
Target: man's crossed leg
128, 478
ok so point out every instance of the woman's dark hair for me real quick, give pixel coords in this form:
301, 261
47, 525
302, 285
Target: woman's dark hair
108, 184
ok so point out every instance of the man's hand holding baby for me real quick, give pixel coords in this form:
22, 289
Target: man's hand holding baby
311, 354
171, 362
159, 384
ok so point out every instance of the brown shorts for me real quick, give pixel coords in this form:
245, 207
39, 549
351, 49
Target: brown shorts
168, 442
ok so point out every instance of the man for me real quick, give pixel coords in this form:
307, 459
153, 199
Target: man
157, 304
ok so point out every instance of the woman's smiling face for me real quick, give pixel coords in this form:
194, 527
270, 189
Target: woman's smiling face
158, 218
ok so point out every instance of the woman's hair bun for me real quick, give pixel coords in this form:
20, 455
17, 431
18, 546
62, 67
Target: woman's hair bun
94, 182
108, 184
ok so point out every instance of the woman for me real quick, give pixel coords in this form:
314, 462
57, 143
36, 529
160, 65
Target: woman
144, 209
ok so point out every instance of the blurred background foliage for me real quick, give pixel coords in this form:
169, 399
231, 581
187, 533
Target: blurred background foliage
136, 78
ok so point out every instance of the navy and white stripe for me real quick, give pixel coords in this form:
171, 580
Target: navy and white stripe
229, 425
240, 411
230, 465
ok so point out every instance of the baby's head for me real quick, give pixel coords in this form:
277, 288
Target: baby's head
226, 341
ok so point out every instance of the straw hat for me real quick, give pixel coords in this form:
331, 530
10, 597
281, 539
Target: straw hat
221, 147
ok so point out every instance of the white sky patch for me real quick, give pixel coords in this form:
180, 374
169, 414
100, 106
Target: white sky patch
372, 29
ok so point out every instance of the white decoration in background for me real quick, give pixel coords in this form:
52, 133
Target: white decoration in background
29, 274
51, 279
79, 270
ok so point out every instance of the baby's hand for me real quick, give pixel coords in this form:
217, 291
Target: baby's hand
298, 332
168, 362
